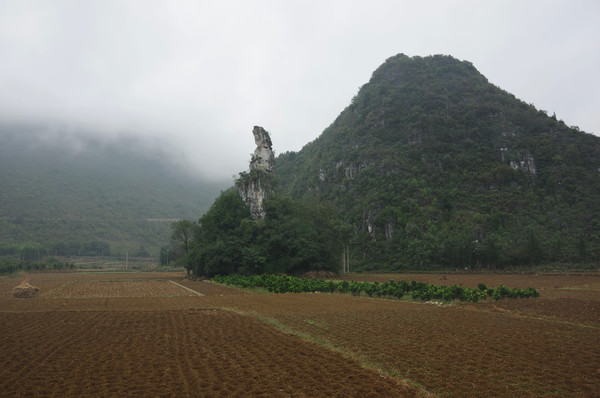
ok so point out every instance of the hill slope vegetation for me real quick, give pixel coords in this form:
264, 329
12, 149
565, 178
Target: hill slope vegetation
63, 195
432, 165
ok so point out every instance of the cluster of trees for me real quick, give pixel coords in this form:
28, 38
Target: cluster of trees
294, 238
390, 289
9, 266
23, 251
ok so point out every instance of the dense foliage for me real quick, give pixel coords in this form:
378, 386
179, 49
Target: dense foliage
9, 266
66, 193
295, 237
433, 166
392, 288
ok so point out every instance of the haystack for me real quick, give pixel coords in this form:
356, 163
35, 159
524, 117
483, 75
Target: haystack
25, 290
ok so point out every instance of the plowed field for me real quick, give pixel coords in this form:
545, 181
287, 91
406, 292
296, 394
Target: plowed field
150, 338
140, 334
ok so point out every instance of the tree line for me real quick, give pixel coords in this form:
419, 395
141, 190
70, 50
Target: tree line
28, 251
9, 265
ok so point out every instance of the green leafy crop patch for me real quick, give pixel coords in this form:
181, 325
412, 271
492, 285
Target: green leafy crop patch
390, 289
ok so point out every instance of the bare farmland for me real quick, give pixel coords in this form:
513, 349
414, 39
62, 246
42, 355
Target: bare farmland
134, 334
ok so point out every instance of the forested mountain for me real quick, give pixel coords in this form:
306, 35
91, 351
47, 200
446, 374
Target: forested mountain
432, 165
68, 194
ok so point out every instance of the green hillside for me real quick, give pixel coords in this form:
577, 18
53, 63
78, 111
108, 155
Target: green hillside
70, 196
432, 165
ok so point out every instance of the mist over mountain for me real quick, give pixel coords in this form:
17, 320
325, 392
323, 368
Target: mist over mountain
433, 165
430, 165
68, 188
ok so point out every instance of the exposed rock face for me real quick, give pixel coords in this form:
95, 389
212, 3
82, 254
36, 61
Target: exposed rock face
255, 196
526, 161
254, 187
263, 157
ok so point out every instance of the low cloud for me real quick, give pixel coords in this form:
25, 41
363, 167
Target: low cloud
192, 78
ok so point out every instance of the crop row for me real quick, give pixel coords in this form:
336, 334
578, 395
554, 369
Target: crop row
396, 289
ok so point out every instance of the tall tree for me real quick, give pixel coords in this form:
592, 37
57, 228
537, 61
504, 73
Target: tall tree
183, 235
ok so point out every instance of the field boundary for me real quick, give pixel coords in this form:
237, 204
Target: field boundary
363, 360
187, 288
533, 316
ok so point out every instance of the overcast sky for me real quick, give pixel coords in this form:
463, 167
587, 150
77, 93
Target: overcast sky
196, 76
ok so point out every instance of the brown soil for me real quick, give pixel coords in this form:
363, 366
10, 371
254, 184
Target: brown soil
195, 352
165, 342
90, 289
458, 351
69, 343
560, 309
550, 285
